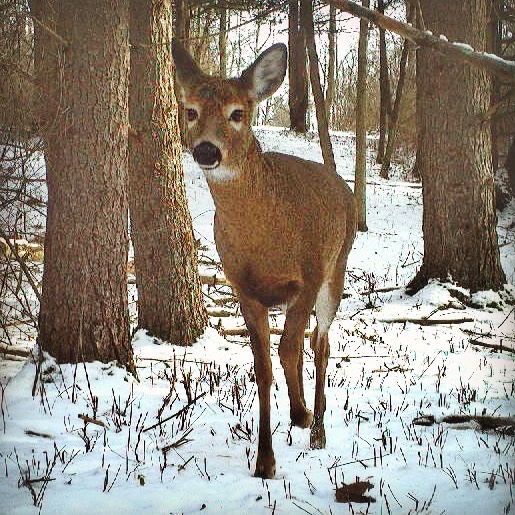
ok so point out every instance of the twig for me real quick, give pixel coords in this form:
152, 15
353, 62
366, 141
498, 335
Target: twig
176, 414
50, 31
386, 289
91, 420
30, 432
178, 443
23, 265
337, 465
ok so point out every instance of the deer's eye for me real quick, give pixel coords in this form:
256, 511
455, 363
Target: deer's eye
236, 115
191, 114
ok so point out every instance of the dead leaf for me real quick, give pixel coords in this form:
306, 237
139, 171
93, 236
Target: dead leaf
354, 492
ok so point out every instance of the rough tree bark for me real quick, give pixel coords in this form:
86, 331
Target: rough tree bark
361, 127
297, 70
454, 159
82, 80
170, 302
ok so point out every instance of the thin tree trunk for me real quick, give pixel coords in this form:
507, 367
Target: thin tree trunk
316, 86
182, 21
361, 128
331, 62
83, 88
459, 218
385, 106
394, 118
222, 42
510, 165
297, 70
170, 302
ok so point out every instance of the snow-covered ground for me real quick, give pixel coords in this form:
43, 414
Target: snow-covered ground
182, 437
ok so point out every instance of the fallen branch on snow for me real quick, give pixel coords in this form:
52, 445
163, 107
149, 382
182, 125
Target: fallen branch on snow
6, 349
505, 425
500, 347
214, 280
243, 331
215, 311
425, 321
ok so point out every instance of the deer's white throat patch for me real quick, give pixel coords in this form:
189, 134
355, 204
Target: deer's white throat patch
218, 174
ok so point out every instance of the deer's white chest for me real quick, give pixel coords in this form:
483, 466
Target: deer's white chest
220, 174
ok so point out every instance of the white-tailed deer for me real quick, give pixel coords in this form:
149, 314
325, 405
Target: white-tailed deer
283, 227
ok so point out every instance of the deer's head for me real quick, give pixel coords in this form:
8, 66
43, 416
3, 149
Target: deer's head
218, 111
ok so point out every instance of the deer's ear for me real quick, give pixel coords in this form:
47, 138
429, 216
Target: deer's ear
186, 69
266, 74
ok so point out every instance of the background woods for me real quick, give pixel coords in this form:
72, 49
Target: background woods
128, 157
107, 258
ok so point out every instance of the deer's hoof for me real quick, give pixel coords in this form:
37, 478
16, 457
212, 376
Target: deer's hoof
265, 467
302, 419
317, 437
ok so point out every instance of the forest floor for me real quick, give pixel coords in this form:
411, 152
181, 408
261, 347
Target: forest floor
420, 393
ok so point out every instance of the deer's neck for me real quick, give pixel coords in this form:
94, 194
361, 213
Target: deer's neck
234, 186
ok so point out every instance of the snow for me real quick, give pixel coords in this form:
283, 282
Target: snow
463, 46
386, 369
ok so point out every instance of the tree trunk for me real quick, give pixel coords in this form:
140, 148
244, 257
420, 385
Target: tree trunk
361, 127
222, 42
170, 302
182, 32
510, 165
297, 70
385, 105
459, 223
82, 79
495, 47
394, 116
331, 63
182, 21
306, 7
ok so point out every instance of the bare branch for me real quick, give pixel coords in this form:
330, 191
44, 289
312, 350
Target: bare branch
495, 65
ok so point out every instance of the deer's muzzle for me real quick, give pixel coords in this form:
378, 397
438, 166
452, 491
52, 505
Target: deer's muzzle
207, 155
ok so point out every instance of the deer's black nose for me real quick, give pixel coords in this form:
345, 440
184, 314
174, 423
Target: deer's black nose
207, 155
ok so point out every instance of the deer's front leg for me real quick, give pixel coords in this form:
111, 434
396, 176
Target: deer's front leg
256, 319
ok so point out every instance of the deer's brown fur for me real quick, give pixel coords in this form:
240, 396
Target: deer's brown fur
284, 227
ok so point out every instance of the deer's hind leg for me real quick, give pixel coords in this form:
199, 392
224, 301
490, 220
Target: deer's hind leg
290, 353
327, 302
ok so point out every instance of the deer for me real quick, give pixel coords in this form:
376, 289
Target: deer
283, 227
